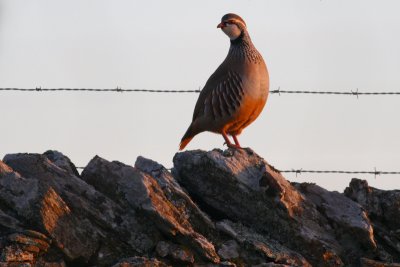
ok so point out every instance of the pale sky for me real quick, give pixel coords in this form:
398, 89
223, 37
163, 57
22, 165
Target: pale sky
337, 45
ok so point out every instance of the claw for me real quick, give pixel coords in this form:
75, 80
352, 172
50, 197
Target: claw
234, 146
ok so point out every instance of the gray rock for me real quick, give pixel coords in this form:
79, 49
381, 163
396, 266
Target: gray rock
157, 197
371, 263
81, 221
177, 196
383, 208
271, 264
255, 248
229, 250
174, 252
162, 248
221, 264
62, 161
240, 186
225, 227
139, 262
347, 220
381, 204
325, 227
228, 201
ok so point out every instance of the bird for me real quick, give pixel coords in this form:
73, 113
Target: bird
236, 93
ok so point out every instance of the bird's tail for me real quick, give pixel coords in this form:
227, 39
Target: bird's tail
187, 137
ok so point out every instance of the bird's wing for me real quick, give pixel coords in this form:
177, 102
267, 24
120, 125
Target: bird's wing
222, 94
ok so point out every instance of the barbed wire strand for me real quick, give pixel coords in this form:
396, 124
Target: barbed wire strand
375, 172
277, 91
120, 90
117, 89
301, 171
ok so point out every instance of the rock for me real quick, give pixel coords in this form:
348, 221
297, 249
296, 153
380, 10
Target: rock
221, 264
58, 159
238, 185
175, 252
380, 204
151, 198
271, 264
41, 263
162, 248
58, 203
255, 248
383, 208
371, 263
139, 262
182, 255
9, 222
347, 220
224, 227
24, 248
229, 250
176, 196
32, 244
15, 254
231, 202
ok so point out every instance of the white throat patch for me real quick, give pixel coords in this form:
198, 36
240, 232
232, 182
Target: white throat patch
232, 30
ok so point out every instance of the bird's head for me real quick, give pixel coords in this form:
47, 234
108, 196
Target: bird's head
232, 25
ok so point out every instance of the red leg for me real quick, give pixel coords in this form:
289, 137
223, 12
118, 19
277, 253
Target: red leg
228, 143
236, 141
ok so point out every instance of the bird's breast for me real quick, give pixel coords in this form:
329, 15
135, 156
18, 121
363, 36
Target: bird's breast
256, 82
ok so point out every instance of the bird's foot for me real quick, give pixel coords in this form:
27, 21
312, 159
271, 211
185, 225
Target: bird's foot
230, 145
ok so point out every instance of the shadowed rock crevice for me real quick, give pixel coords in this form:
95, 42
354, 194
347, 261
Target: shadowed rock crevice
383, 208
217, 208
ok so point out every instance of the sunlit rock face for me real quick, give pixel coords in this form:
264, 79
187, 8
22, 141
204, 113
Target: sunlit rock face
215, 208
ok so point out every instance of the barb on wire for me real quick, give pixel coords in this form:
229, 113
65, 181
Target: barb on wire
277, 91
375, 172
355, 93
120, 90
298, 172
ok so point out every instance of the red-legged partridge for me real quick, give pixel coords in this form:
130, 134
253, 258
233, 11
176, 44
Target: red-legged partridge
236, 92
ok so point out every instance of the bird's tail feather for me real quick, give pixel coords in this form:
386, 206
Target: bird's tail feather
187, 137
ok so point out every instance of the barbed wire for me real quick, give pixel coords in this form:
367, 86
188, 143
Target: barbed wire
120, 90
117, 89
351, 92
277, 91
374, 172
301, 171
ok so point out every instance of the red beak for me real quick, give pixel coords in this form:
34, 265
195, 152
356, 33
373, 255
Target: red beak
221, 25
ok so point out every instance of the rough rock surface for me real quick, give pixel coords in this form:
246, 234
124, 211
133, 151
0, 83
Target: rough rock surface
216, 208
383, 208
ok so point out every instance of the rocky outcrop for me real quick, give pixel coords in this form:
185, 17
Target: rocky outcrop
216, 208
383, 207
